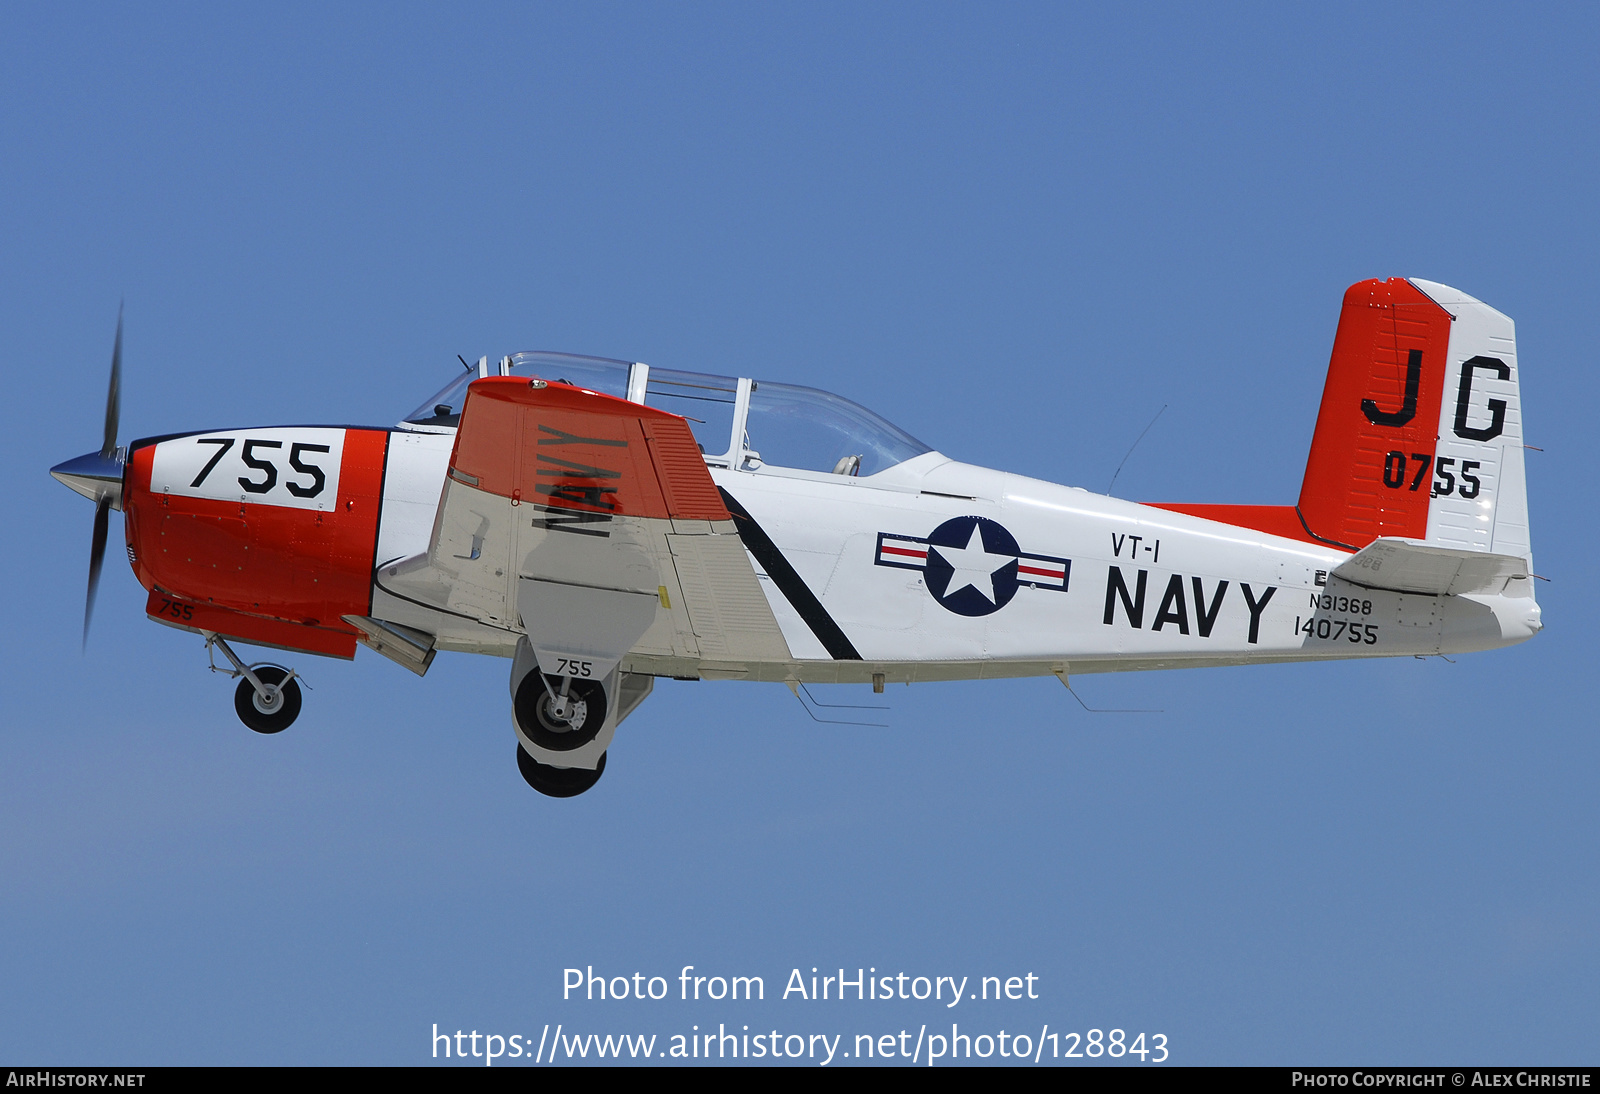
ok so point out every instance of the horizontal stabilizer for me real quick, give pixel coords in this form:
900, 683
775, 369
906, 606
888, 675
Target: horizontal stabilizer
1408, 567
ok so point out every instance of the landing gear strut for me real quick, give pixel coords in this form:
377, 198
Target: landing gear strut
267, 699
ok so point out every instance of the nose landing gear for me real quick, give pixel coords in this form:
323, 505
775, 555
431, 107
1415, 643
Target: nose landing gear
273, 711
268, 698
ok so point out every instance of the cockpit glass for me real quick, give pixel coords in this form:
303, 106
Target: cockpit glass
801, 427
707, 401
595, 373
785, 425
445, 406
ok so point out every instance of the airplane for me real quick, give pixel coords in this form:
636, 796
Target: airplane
602, 524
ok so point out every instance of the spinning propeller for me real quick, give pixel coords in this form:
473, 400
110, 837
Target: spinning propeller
98, 477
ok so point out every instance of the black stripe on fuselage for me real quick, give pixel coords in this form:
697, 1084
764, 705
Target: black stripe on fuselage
790, 583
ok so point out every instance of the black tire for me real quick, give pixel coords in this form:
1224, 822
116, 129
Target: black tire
268, 721
557, 782
532, 708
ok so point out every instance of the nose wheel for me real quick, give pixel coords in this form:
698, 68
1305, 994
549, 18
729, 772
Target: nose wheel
274, 711
267, 698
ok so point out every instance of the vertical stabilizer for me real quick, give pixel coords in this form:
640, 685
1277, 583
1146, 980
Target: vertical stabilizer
1420, 431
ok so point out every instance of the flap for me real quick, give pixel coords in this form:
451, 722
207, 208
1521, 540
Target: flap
1407, 567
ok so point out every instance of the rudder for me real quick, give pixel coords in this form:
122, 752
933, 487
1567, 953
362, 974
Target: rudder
1419, 435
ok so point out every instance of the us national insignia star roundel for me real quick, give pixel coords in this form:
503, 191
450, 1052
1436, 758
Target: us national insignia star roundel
973, 565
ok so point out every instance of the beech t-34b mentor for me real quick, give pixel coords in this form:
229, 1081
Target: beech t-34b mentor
603, 524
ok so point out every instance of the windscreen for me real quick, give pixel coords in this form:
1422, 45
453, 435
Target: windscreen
594, 373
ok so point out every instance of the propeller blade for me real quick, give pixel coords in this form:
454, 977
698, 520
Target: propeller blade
97, 555
113, 397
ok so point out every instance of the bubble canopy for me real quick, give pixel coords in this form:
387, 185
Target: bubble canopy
595, 373
811, 430
751, 424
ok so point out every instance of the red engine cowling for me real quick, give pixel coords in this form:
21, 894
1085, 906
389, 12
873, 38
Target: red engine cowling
264, 535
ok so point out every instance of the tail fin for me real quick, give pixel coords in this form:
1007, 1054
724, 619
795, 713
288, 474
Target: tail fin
1420, 432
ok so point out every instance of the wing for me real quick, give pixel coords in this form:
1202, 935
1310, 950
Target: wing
592, 525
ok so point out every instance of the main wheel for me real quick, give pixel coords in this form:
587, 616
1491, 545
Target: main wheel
586, 701
558, 782
268, 717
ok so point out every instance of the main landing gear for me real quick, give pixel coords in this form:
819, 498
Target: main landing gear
559, 715
558, 782
267, 699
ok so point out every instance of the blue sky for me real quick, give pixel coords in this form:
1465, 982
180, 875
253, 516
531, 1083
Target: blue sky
1015, 232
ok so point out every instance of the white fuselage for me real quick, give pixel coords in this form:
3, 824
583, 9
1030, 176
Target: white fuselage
1047, 579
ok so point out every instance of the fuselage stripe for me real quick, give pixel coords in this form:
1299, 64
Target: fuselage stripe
790, 583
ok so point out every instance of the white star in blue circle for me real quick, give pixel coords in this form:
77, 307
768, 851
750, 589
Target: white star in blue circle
972, 565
